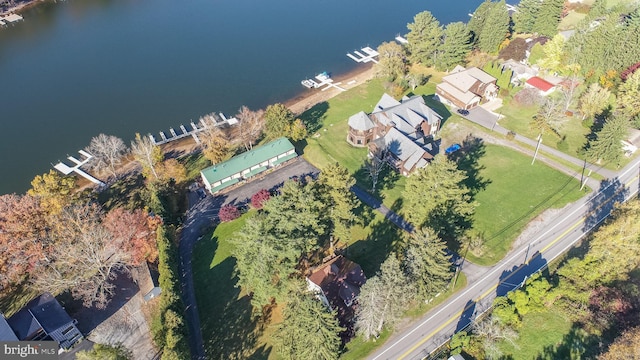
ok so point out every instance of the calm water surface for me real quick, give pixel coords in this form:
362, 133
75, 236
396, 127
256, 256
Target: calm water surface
78, 68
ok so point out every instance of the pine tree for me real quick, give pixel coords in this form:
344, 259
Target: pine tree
427, 264
456, 46
308, 330
629, 95
336, 182
548, 17
525, 18
477, 21
495, 29
438, 198
424, 38
607, 146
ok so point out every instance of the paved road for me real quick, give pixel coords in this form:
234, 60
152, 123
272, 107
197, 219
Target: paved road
489, 120
201, 216
560, 234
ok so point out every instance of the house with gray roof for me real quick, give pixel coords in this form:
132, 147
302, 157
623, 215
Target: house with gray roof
467, 88
400, 130
6, 332
246, 165
43, 318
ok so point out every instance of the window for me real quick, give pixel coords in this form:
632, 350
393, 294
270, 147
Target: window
67, 330
359, 142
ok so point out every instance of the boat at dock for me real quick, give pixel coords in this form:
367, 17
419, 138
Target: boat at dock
309, 84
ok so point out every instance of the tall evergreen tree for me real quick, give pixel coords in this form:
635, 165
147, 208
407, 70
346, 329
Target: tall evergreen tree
427, 264
524, 19
308, 330
438, 198
495, 29
382, 299
336, 182
548, 17
477, 21
455, 47
607, 146
425, 34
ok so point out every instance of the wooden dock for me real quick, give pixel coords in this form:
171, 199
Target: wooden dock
205, 122
10, 19
368, 56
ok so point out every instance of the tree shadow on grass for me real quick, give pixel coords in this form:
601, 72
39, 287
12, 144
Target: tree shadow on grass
128, 192
439, 107
373, 250
471, 150
314, 117
229, 328
386, 180
577, 344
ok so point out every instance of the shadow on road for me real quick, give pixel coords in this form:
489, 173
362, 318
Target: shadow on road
611, 191
467, 316
512, 279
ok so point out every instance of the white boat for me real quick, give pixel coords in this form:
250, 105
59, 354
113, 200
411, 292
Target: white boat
309, 84
323, 76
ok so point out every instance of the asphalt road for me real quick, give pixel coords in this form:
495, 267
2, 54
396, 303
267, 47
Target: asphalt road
558, 236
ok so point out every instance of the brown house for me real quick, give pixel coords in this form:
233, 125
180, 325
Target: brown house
399, 129
467, 88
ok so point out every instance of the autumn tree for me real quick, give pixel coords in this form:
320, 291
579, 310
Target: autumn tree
382, 299
438, 198
427, 264
594, 101
424, 38
215, 146
258, 199
136, 231
491, 332
336, 182
278, 119
85, 258
24, 240
107, 151
297, 131
171, 170
624, 345
629, 95
228, 212
516, 50
392, 62
53, 191
554, 54
547, 119
250, 126
455, 46
607, 146
308, 330
147, 154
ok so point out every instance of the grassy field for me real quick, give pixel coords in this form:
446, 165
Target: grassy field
502, 211
538, 331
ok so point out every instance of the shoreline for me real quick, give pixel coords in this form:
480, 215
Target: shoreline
20, 7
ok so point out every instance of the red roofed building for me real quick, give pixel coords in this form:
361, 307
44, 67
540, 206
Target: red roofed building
541, 84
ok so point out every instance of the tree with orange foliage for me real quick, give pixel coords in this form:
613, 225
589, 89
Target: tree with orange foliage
136, 231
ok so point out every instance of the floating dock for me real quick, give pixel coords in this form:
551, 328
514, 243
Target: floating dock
368, 56
205, 122
322, 79
401, 40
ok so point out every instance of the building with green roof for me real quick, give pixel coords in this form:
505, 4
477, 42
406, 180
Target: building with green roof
246, 165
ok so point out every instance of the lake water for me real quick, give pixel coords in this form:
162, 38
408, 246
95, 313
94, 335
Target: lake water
78, 68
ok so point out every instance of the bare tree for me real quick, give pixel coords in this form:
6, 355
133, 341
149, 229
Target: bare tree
374, 166
250, 126
147, 154
107, 151
490, 330
85, 257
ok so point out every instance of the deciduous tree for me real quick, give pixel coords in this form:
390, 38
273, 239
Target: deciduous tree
594, 100
392, 62
136, 230
278, 119
547, 119
425, 38
297, 131
147, 154
554, 54
629, 95
455, 47
228, 212
250, 125
258, 199
54, 191
382, 299
308, 330
215, 145
107, 151
625, 344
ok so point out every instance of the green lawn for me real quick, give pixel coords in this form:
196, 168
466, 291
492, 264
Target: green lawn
503, 211
539, 331
571, 20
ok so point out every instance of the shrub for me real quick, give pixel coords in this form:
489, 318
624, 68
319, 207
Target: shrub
528, 97
228, 213
258, 199
511, 135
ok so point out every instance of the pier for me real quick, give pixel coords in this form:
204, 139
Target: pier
205, 122
323, 79
402, 40
368, 55
65, 169
10, 19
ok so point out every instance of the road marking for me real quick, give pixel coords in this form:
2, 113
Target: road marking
582, 219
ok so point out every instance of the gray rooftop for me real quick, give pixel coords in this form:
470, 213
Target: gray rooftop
6, 333
44, 311
406, 115
403, 148
361, 121
464, 79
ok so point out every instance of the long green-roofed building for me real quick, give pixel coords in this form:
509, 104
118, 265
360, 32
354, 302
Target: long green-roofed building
248, 164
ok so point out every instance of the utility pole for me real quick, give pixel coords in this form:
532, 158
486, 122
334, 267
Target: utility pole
537, 148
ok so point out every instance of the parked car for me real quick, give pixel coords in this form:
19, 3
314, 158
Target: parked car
451, 149
463, 112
